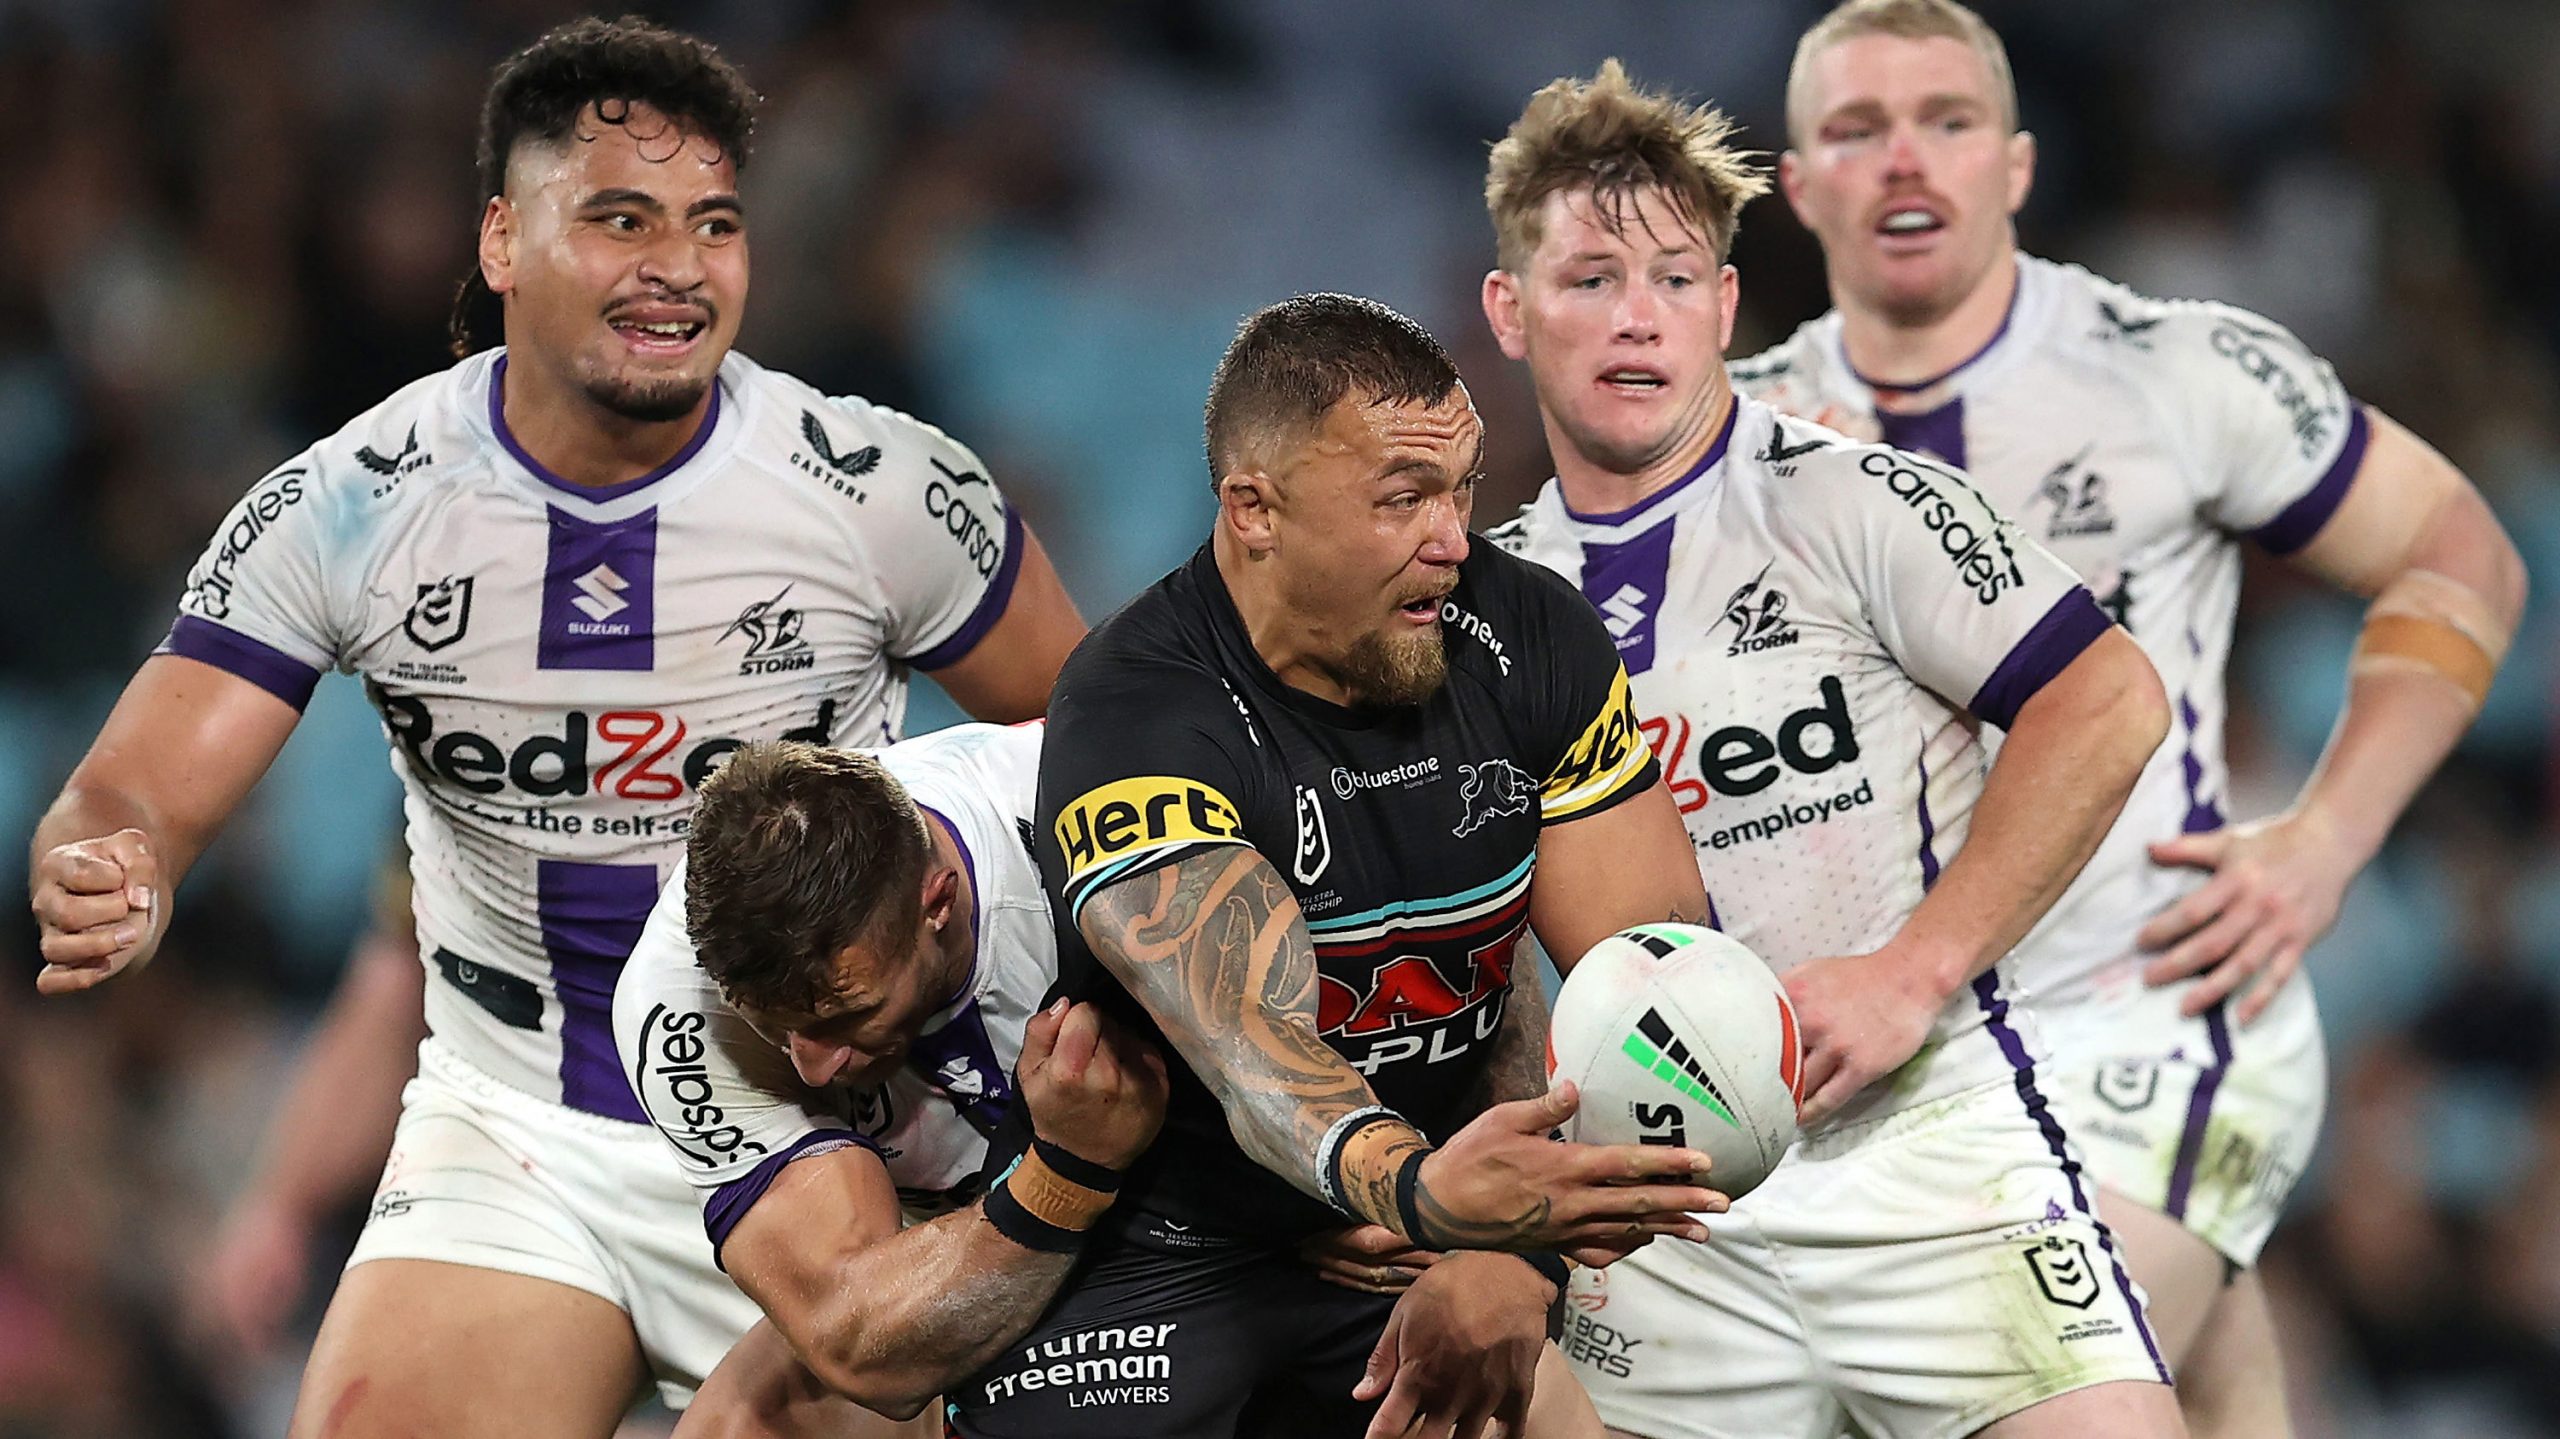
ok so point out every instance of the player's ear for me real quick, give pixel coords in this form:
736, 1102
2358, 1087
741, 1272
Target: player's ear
498, 245
941, 896
1728, 304
1502, 313
2022, 168
1791, 184
1245, 499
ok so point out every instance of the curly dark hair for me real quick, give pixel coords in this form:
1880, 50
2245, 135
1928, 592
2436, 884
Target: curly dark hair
538, 93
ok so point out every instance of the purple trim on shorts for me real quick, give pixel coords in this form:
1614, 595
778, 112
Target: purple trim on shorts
268, 668
991, 605
2071, 626
534, 467
2182, 1173
1928, 834
1995, 1017
2300, 522
1939, 432
591, 916
1706, 462
730, 1202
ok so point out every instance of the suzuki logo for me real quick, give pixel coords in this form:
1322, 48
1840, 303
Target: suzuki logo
1623, 611
600, 593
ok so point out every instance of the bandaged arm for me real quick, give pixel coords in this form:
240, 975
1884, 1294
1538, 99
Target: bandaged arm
2447, 588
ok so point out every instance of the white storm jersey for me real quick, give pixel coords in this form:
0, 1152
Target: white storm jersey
727, 1100
557, 668
2140, 440
1811, 626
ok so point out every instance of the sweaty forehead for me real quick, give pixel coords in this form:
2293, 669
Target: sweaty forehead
616, 144
1446, 433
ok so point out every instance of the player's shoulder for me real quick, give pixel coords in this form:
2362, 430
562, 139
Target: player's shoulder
970, 762
1799, 460
2154, 342
401, 445
851, 440
1793, 364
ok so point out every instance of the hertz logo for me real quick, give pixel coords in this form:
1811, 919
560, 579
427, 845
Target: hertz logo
1608, 752
1131, 816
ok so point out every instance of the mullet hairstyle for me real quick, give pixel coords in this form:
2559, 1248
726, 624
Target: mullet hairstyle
1907, 20
606, 66
1292, 362
796, 851
1606, 135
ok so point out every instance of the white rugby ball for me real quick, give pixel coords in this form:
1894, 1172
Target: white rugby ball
1679, 1035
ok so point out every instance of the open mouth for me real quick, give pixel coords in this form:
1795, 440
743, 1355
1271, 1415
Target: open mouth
1910, 222
660, 334
1424, 609
1633, 380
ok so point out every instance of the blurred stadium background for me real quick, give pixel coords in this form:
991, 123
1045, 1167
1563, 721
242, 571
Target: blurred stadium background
233, 224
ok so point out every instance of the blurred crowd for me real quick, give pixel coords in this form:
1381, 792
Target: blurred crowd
238, 223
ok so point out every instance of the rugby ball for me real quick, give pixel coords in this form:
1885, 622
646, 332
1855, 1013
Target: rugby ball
1679, 1035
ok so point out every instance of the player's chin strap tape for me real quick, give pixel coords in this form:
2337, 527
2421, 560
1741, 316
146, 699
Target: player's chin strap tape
1049, 1200
1330, 1149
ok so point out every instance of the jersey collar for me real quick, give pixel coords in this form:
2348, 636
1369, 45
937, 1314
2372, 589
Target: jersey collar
1706, 462
600, 494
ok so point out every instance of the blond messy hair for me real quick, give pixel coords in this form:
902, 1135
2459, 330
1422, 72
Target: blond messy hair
1605, 134
1906, 20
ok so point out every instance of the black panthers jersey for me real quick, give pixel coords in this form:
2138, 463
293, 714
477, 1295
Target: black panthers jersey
1408, 835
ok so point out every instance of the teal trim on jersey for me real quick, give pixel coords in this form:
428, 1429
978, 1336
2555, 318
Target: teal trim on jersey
1118, 869
1404, 908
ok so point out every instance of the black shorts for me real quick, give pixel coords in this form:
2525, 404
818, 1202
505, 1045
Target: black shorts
1157, 1338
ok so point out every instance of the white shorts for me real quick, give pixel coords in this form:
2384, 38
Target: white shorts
1918, 1277
486, 1175
2200, 1119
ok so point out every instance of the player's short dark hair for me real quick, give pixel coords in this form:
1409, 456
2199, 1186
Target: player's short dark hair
1294, 361
796, 851
538, 93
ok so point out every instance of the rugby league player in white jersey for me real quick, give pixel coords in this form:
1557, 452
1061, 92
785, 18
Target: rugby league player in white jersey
575, 575
2143, 441
1818, 632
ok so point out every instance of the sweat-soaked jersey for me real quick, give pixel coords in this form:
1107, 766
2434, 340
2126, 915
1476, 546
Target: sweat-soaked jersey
558, 667
1408, 834
727, 1100
2140, 440
1814, 628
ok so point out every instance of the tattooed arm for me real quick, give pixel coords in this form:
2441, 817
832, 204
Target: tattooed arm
1215, 948
1517, 1066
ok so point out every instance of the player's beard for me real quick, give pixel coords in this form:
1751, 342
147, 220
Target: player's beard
653, 401
1390, 670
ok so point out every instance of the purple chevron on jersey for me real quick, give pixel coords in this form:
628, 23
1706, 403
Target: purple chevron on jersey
599, 594
1938, 433
591, 916
1627, 582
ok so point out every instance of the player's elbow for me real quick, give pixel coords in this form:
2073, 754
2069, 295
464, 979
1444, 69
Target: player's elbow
882, 1383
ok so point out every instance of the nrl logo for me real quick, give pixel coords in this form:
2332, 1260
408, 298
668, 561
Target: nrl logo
440, 614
